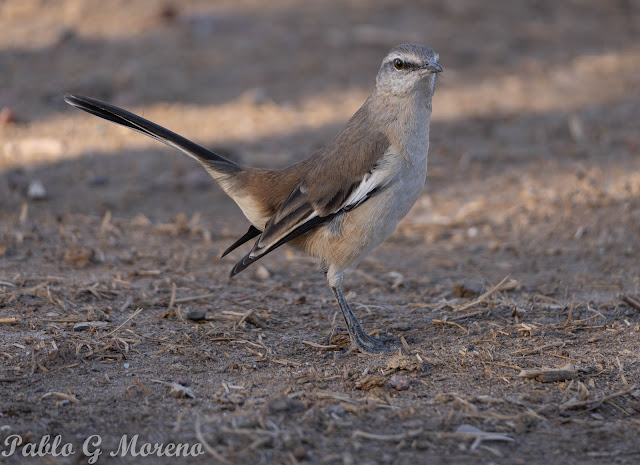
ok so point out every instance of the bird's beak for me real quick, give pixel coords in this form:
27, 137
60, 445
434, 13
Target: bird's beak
432, 67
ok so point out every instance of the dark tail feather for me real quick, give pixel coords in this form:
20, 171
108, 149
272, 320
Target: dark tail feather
212, 161
304, 228
250, 234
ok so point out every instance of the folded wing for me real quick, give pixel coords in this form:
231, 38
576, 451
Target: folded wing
313, 203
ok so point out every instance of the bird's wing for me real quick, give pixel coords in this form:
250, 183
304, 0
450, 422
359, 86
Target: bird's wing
336, 184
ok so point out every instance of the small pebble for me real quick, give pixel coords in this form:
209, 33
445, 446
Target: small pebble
178, 391
99, 180
36, 190
196, 315
182, 381
262, 272
399, 382
86, 325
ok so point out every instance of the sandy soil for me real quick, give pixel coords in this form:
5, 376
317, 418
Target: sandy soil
521, 256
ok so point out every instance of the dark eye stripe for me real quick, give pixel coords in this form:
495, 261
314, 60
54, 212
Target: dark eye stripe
406, 65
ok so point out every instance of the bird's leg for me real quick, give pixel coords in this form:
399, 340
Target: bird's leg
359, 338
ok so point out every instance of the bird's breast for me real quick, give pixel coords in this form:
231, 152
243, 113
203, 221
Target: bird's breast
350, 236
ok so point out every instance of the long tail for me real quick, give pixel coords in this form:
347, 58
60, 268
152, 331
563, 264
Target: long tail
219, 167
229, 176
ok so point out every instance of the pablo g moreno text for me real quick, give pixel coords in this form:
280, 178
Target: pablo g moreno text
55, 447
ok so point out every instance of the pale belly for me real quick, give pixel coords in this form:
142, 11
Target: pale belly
357, 232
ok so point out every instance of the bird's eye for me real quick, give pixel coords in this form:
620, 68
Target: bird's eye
398, 64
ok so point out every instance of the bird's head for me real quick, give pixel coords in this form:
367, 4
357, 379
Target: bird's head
408, 68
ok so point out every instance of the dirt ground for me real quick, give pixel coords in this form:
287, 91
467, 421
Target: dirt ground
520, 258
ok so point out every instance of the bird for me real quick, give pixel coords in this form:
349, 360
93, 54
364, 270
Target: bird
344, 199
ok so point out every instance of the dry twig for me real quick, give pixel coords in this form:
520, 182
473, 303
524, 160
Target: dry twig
574, 404
453, 323
125, 321
61, 395
632, 302
319, 346
214, 453
387, 437
550, 375
484, 296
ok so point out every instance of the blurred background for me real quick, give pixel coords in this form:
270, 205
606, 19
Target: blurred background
534, 181
535, 119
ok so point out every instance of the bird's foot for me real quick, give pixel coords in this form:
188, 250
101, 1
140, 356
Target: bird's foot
359, 341
373, 345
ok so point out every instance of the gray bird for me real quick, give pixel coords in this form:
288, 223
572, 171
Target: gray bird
346, 198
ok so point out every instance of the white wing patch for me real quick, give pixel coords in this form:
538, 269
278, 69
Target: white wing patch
369, 183
377, 178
